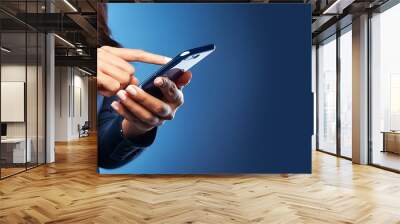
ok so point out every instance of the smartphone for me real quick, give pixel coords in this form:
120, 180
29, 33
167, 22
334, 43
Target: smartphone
176, 67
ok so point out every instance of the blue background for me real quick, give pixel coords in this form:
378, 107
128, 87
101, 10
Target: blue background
248, 108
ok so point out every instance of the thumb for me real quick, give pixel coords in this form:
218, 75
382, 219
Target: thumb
184, 79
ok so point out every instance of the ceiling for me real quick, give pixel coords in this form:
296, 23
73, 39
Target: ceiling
332, 15
74, 21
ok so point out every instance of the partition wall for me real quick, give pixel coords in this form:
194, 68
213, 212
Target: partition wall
23, 86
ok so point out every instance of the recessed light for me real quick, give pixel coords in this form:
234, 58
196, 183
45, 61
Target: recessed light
5, 50
64, 40
70, 5
84, 71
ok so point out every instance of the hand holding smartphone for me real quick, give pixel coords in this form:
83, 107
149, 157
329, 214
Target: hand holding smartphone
176, 67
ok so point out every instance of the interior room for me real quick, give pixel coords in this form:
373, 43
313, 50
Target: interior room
48, 151
39, 81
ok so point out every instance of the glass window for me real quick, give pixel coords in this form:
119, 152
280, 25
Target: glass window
15, 150
22, 91
327, 96
385, 87
346, 93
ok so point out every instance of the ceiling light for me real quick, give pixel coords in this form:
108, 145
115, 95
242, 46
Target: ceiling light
5, 50
65, 41
338, 6
84, 71
70, 5
80, 51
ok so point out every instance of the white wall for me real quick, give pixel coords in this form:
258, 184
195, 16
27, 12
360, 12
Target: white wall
80, 89
14, 72
17, 72
71, 94
61, 104
33, 126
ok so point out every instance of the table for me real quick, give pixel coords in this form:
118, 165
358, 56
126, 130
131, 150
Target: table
391, 141
13, 150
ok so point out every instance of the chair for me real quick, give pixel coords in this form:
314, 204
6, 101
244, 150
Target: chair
84, 129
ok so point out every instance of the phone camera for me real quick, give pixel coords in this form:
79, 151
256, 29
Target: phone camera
193, 57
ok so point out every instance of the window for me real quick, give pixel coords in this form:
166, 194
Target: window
327, 95
385, 88
346, 93
23, 77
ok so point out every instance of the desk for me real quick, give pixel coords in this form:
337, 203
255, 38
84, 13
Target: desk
391, 141
13, 150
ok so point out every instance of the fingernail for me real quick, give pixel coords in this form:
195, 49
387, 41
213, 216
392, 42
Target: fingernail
121, 94
158, 81
114, 105
131, 90
167, 59
135, 80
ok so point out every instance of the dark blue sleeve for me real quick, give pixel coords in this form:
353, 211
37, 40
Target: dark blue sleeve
114, 150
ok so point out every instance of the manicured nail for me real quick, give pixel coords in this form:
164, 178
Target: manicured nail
158, 81
167, 59
131, 90
121, 94
115, 105
135, 80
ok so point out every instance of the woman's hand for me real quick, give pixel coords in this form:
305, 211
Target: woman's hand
114, 73
142, 111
